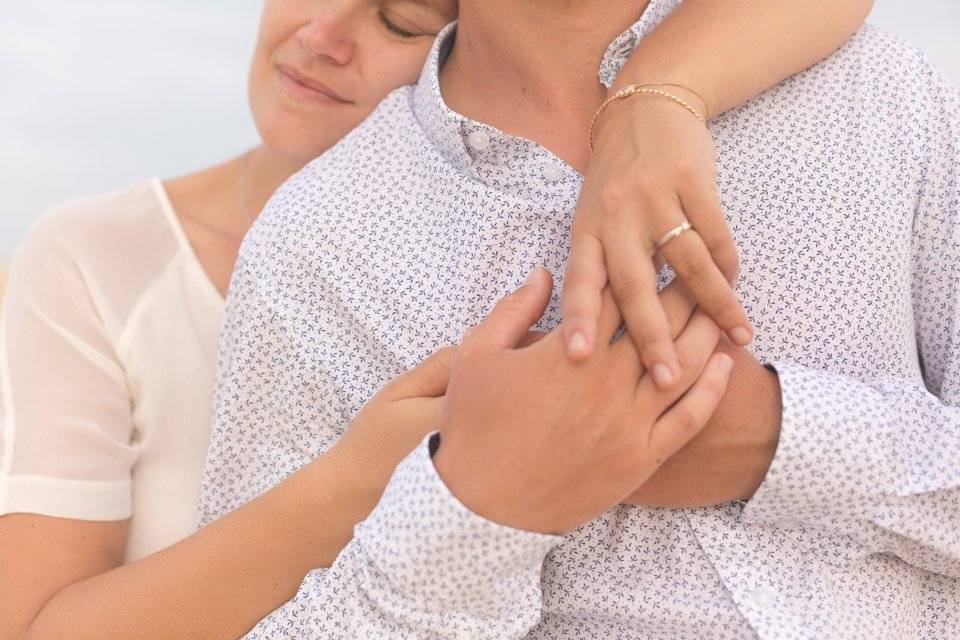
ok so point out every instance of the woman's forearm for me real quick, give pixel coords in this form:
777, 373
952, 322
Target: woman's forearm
730, 50
220, 581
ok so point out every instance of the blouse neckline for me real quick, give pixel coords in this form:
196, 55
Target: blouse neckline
176, 228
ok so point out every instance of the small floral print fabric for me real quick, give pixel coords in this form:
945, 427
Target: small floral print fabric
842, 187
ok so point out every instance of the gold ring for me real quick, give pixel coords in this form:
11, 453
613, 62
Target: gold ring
673, 233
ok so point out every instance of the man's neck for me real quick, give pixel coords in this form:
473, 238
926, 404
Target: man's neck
529, 68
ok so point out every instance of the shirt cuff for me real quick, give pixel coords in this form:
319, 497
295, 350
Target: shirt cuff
440, 555
63, 498
825, 456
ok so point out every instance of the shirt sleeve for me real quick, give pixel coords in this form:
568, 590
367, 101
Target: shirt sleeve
65, 444
880, 461
421, 566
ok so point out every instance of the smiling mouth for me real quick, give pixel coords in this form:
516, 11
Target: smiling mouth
309, 87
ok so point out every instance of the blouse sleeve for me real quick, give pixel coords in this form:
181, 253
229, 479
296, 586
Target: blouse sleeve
66, 446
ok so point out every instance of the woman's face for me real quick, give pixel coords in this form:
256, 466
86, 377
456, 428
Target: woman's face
321, 66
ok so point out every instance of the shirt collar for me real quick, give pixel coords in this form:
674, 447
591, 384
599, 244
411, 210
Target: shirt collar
489, 155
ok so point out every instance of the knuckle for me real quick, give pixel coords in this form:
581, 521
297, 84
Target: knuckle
649, 185
690, 265
612, 197
628, 289
686, 420
469, 351
688, 170
509, 302
689, 363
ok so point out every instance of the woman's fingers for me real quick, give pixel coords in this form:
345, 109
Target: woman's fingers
703, 209
693, 264
586, 275
705, 259
678, 305
634, 285
428, 379
694, 346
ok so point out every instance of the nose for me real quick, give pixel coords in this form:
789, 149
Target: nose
329, 33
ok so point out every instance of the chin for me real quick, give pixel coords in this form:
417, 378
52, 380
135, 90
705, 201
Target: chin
298, 143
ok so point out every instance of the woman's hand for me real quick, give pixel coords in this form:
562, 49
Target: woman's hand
400, 416
653, 167
397, 418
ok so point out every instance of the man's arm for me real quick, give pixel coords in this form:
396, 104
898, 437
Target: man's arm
532, 446
878, 461
423, 566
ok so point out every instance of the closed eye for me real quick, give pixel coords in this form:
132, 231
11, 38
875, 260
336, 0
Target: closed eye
394, 29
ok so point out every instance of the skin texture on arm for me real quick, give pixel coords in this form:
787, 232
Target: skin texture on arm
728, 51
220, 581
653, 164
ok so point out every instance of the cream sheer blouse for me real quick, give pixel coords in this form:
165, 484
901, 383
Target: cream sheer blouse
107, 351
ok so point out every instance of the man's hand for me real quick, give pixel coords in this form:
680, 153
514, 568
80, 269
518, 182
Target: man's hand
533, 440
729, 459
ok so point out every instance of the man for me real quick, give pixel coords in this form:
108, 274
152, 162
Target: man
843, 191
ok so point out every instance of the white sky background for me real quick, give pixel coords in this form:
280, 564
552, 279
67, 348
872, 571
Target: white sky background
94, 95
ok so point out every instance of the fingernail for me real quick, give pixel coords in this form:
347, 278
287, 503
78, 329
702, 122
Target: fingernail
578, 342
740, 335
725, 364
662, 375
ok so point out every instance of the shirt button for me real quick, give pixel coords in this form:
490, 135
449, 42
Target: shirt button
764, 597
552, 173
479, 140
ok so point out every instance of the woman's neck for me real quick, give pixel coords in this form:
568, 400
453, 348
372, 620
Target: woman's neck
264, 170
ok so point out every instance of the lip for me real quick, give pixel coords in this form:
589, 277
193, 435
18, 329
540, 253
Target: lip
307, 87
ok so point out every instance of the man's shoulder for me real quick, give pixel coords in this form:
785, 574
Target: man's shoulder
875, 88
390, 126
873, 64
372, 166
374, 147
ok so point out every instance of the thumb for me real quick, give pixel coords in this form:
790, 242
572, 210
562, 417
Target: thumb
428, 379
510, 320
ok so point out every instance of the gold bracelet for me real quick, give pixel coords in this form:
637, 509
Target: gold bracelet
648, 89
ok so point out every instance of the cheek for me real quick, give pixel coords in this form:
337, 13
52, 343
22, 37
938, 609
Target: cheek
392, 66
279, 21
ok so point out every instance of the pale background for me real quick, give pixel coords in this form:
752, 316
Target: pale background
96, 94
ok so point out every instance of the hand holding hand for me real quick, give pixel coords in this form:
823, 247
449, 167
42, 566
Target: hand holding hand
533, 440
730, 457
396, 420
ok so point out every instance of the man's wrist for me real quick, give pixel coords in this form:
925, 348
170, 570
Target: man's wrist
766, 418
495, 499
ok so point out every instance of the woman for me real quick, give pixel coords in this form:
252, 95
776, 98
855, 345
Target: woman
116, 301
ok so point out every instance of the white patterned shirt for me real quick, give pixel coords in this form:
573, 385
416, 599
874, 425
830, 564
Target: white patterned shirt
842, 187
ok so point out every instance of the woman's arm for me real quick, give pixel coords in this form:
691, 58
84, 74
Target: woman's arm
653, 164
729, 51
220, 581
